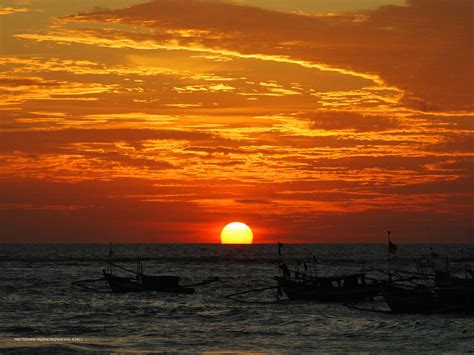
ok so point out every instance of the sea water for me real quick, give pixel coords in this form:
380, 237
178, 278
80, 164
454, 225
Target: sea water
41, 311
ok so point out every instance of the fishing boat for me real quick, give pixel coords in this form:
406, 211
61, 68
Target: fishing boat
307, 285
142, 282
139, 282
429, 289
430, 294
408, 291
343, 288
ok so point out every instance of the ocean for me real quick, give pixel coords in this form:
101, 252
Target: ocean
40, 311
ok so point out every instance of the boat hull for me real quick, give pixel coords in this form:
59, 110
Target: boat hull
163, 283
456, 293
411, 300
296, 291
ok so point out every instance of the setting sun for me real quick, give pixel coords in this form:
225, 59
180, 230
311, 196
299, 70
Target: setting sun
236, 233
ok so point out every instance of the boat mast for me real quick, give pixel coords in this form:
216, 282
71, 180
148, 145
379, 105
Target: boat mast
315, 262
110, 258
280, 245
388, 258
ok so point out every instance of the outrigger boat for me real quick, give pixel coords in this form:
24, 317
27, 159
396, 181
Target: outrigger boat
428, 290
430, 294
411, 292
308, 285
408, 292
141, 282
341, 288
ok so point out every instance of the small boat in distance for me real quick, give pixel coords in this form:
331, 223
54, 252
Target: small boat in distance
141, 282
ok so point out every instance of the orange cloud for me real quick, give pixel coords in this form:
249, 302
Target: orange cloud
14, 10
423, 48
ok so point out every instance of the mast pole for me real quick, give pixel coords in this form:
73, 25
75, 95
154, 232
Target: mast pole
110, 258
388, 258
429, 236
280, 272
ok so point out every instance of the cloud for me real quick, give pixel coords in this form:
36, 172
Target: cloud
143, 163
15, 90
37, 141
347, 120
423, 48
14, 10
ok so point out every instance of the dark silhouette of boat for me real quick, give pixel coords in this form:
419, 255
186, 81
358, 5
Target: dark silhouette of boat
343, 288
139, 282
409, 292
414, 299
307, 285
142, 282
443, 293
430, 289
455, 292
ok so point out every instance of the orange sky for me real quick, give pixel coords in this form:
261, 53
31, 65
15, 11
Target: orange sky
309, 120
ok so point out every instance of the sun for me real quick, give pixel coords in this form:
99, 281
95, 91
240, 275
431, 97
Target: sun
236, 233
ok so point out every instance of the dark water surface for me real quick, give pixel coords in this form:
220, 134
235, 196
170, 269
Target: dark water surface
39, 305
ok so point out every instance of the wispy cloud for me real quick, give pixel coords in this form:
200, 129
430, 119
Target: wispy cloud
393, 40
15, 10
